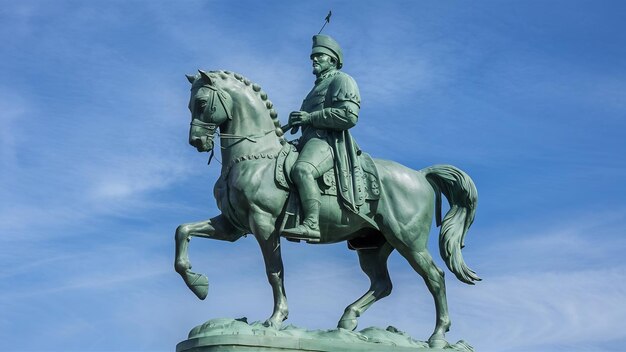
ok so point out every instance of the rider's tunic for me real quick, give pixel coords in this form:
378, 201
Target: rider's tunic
334, 104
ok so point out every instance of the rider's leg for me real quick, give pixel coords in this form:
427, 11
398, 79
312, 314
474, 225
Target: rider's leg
314, 160
304, 175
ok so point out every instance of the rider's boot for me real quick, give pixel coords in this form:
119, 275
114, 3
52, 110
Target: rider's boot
309, 230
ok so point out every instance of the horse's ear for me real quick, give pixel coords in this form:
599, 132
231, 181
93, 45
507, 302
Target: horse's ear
205, 77
190, 78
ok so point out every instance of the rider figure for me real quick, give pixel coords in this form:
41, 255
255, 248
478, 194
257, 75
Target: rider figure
328, 111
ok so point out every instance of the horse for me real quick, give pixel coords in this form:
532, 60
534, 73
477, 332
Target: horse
251, 203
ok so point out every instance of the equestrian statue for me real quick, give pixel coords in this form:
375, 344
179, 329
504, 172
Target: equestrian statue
321, 188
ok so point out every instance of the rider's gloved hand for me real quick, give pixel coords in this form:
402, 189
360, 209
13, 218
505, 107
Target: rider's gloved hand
297, 119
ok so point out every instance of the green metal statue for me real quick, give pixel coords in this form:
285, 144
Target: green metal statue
377, 206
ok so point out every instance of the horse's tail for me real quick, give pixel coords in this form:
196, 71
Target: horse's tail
462, 196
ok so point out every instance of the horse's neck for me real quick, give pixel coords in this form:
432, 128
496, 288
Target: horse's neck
250, 132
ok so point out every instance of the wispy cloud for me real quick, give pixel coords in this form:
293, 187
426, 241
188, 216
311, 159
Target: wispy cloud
583, 240
545, 309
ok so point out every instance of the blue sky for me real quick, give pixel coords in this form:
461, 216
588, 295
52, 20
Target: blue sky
528, 97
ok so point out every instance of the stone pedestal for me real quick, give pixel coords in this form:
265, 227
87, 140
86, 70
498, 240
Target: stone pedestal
221, 335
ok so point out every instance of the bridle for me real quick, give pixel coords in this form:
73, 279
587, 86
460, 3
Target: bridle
210, 127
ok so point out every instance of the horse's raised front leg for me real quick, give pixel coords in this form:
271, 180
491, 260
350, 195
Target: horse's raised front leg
216, 228
264, 228
374, 264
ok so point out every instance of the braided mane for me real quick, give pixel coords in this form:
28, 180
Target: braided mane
259, 92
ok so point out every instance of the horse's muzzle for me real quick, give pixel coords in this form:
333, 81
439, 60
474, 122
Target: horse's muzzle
202, 143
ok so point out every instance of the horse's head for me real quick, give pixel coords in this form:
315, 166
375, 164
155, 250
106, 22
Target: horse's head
210, 107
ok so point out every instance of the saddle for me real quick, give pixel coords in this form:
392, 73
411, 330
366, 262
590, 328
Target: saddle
327, 183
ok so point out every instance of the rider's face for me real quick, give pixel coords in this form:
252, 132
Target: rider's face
321, 63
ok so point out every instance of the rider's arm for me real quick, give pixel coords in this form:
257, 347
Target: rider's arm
341, 117
342, 105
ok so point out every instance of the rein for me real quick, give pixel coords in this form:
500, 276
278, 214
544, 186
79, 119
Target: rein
211, 128
251, 138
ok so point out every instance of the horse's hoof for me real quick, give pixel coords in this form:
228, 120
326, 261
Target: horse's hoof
198, 284
348, 324
437, 342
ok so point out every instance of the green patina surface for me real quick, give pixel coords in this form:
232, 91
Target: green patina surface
237, 335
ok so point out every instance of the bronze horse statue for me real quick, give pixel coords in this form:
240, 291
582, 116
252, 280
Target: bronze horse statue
251, 203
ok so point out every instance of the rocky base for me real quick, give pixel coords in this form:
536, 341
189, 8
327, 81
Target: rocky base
235, 335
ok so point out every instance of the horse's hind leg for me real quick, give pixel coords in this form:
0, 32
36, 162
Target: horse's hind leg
422, 262
215, 228
374, 264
